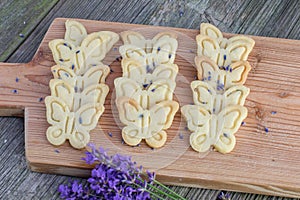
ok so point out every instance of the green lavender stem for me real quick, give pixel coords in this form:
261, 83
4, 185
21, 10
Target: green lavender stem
169, 190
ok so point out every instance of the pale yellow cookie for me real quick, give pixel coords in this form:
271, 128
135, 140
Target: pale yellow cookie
206, 96
93, 94
222, 79
150, 53
78, 91
148, 124
145, 95
213, 130
92, 76
219, 94
134, 70
75, 32
90, 53
222, 51
72, 126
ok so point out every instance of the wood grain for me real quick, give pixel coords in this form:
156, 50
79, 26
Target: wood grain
261, 163
17, 26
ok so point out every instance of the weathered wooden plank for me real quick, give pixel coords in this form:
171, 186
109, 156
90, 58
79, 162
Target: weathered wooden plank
19, 17
230, 16
111, 11
206, 172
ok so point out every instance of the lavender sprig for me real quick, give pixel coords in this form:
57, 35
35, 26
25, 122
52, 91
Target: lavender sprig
115, 177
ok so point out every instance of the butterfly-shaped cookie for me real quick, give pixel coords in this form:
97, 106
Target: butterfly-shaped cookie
136, 71
145, 95
93, 94
150, 53
213, 130
90, 53
75, 32
222, 79
148, 124
92, 76
72, 126
206, 96
222, 51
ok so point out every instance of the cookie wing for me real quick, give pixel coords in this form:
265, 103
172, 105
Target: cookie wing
210, 31
126, 87
239, 48
165, 72
198, 121
239, 74
96, 74
85, 119
63, 91
229, 121
161, 117
206, 68
94, 94
208, 47
75, 32
63, 52
130, 112
56, 112
236, 95
164, 47
94, 48
133, 69
162, 114
203, 94
133, 38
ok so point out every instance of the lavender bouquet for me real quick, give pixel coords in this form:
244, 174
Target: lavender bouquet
116, 177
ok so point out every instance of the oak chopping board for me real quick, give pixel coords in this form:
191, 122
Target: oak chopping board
262, 162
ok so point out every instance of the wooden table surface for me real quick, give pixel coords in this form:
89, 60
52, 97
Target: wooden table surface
23, 24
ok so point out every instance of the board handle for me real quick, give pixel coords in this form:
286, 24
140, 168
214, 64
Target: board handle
22, 85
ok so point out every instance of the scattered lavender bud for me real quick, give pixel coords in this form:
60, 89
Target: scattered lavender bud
181, 136
273, 112
266, 130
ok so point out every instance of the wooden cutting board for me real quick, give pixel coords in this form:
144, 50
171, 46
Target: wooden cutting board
262, 162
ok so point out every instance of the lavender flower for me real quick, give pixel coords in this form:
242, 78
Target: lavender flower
114, 177
223, 196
